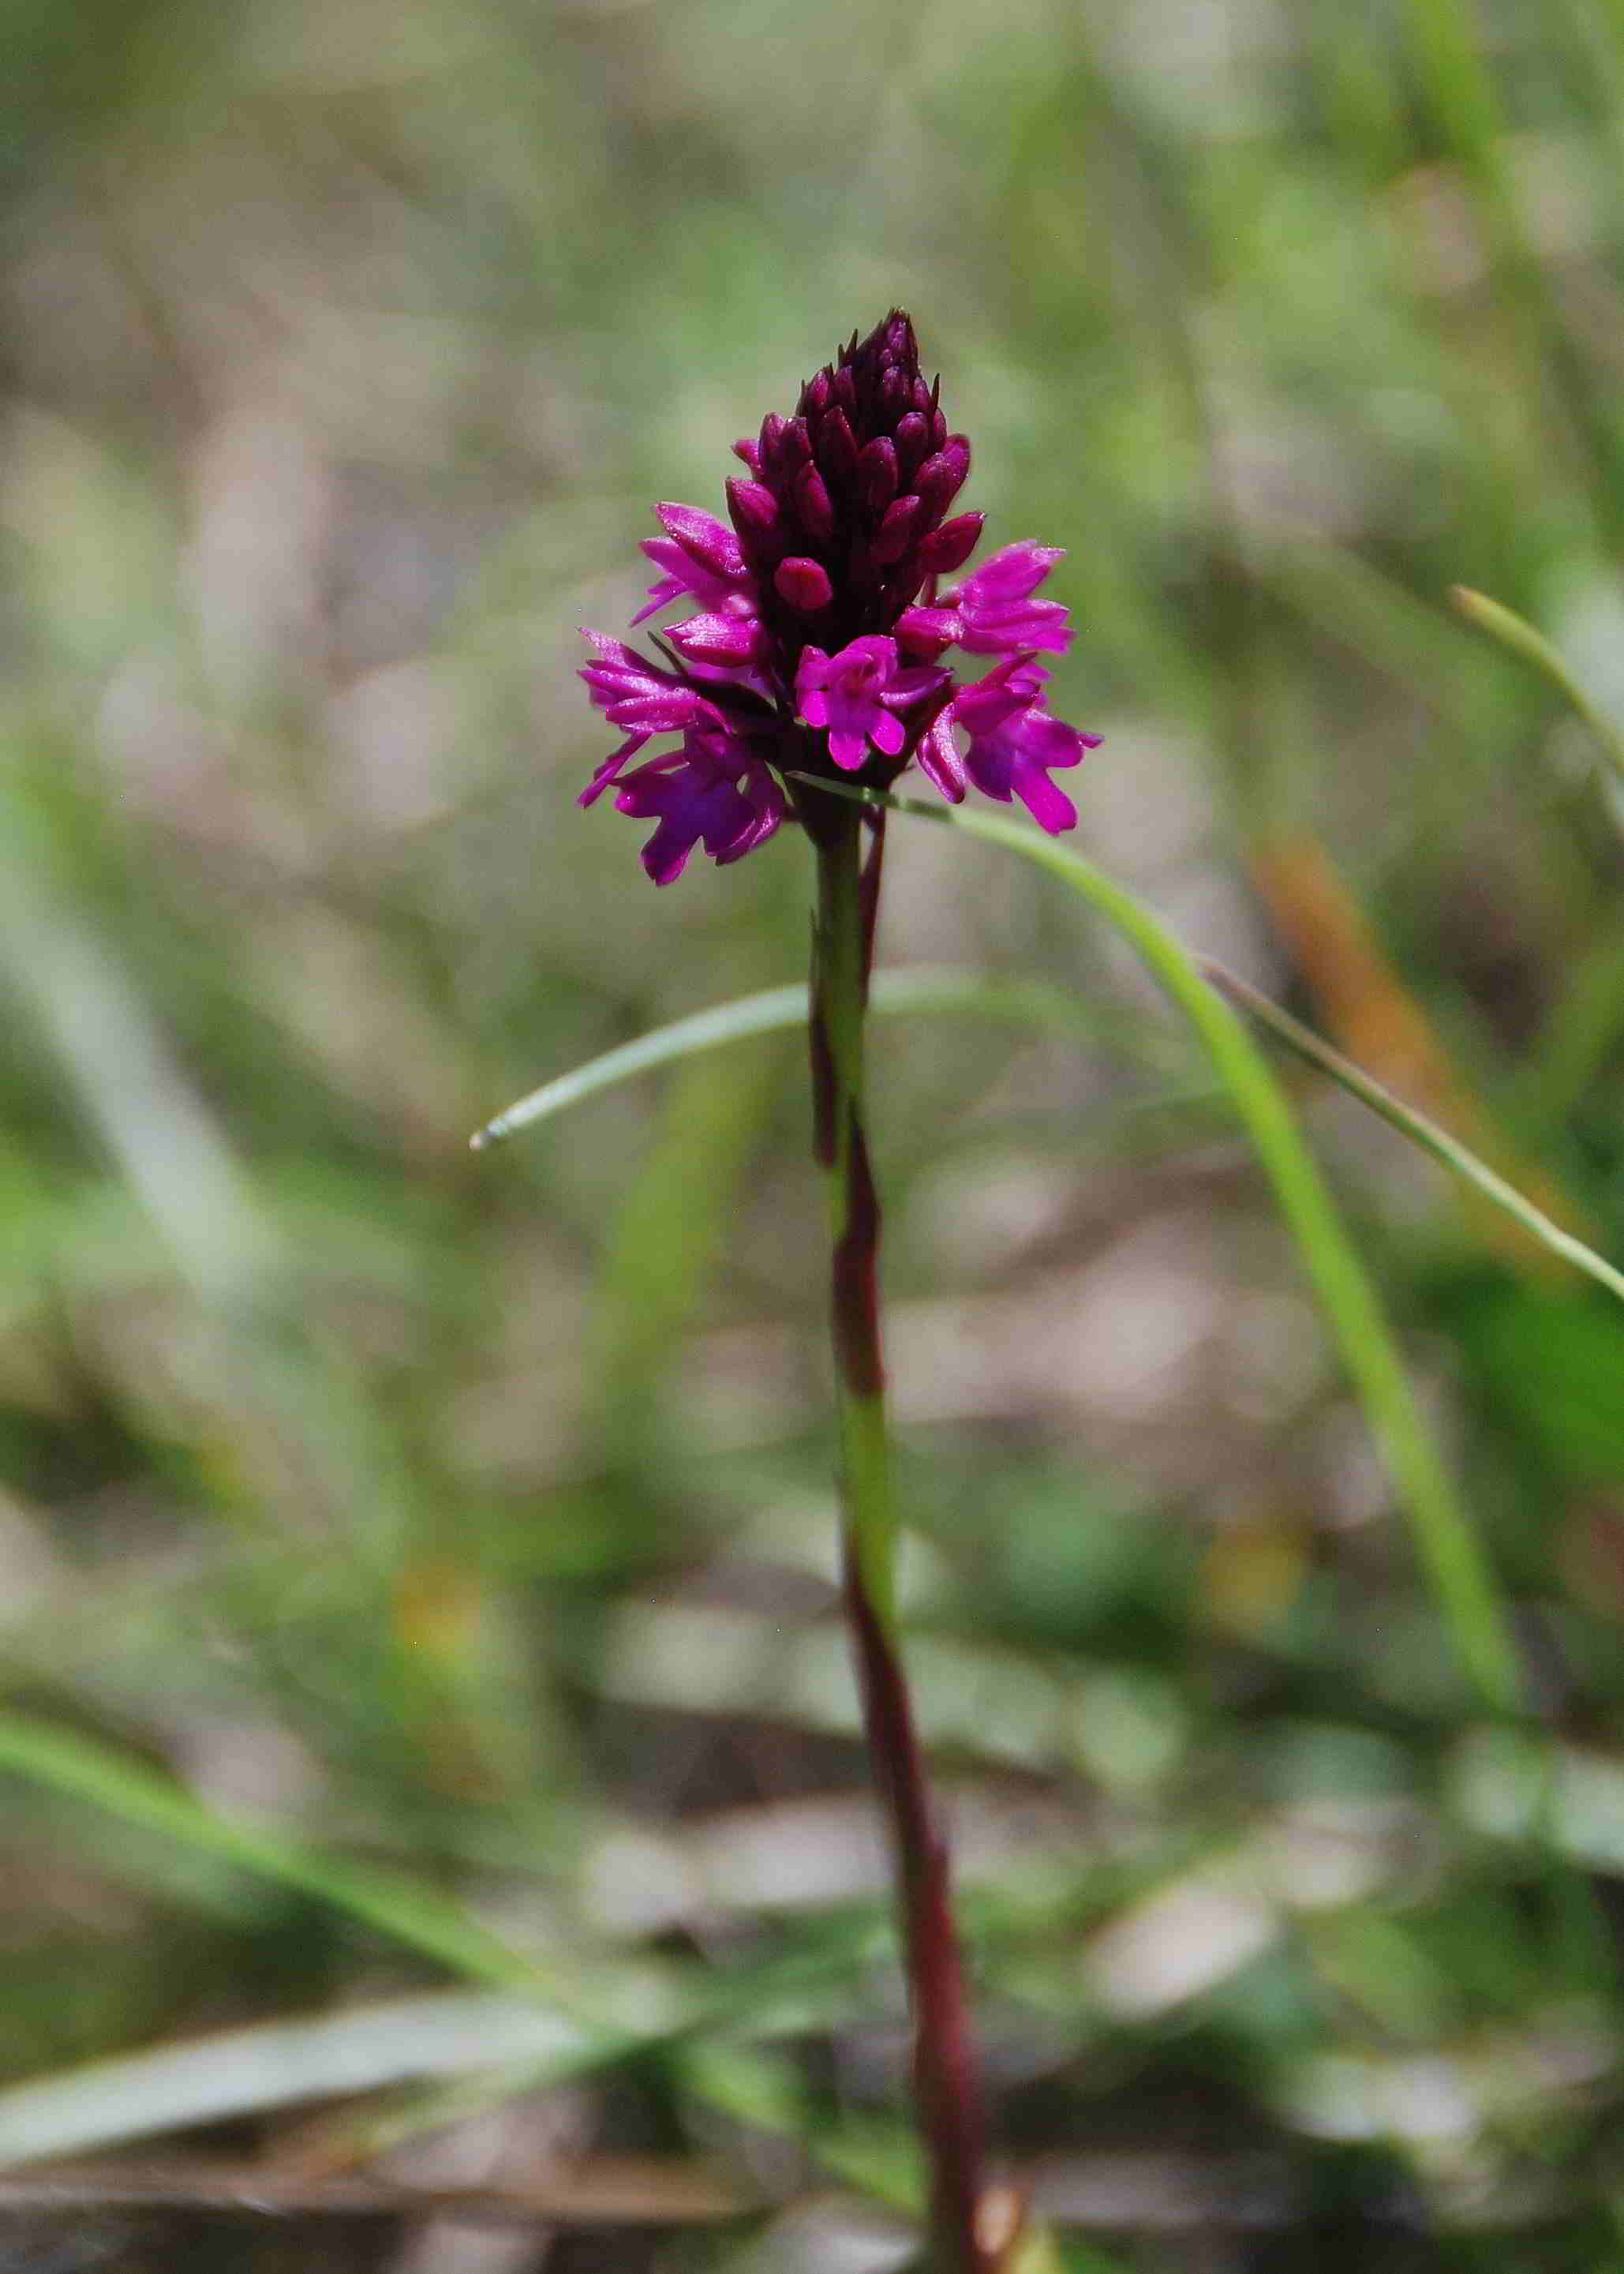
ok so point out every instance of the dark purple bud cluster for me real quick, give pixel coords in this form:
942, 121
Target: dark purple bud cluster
844, 517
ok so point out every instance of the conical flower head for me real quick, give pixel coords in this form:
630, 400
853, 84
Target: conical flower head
819, 642
844, 515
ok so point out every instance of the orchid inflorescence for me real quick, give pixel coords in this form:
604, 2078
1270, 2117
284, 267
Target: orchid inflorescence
818, 644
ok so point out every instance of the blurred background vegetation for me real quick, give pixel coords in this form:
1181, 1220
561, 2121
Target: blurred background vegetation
426, 1744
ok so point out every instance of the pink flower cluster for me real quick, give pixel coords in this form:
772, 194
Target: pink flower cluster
818, 642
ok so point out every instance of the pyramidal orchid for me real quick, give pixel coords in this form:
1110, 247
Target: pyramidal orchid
819, 641
824, 653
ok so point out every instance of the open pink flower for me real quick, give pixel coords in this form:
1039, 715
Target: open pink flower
1014, 744
633, 693
717, 790
993, 612
857, 694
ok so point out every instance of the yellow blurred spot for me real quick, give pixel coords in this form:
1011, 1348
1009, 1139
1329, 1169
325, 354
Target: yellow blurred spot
437, 1610
1252, 1574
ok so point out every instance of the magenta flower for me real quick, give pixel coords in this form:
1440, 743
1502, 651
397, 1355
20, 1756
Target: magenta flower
701, 556
1014, 744
632, 693
996, 609
717, 790
817, 641
857, 695
733, 643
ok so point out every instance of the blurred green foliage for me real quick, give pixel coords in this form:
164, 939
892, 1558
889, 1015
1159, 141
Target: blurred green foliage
419, 1565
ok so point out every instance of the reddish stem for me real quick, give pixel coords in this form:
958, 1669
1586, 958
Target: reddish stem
946, 2083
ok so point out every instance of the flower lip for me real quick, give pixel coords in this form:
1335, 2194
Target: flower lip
1015, 743
717, 790
856, 694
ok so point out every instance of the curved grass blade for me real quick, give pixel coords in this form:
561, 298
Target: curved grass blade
778, 1009
1427, 1134
1514, 632
135, 2096
1447, 1545
140, 1794
269, 2065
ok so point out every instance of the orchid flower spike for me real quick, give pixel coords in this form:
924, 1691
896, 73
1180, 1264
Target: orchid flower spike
819, 643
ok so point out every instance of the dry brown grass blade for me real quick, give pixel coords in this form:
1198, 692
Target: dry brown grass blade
613, 2191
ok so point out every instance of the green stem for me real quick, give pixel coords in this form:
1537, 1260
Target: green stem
841, 985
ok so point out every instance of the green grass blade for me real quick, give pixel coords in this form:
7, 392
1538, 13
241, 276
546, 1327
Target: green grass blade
90, 2105
779, 1008
142, 1795
271, 2065
1427, 1134
1518, 637
1445, 1541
